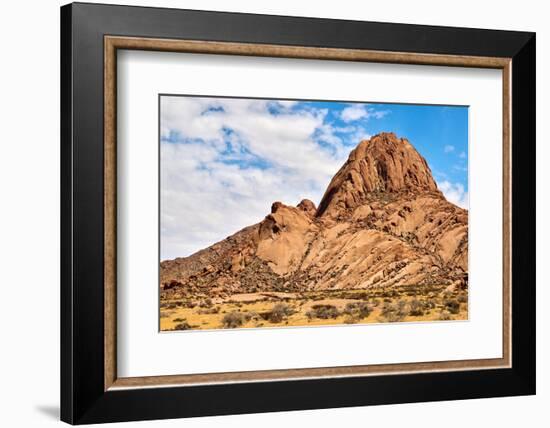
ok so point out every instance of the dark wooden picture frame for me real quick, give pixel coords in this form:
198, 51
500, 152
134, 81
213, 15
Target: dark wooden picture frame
90, 389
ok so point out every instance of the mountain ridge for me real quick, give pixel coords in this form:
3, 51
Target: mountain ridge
382, 222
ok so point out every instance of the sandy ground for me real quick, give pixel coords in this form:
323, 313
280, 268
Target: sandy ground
255, 310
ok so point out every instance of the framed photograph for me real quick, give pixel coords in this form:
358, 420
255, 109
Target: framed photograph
265, 213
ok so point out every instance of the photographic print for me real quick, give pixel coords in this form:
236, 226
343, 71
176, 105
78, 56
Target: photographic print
295, 213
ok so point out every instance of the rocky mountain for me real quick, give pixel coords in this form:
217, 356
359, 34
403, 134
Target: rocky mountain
381, 222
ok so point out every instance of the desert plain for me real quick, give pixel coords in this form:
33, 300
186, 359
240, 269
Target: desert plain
383, 245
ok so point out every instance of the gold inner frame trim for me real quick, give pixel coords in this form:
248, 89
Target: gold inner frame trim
113, 43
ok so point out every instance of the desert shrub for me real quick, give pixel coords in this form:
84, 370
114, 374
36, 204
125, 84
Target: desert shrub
214, 310
357, 310
386, 308
184, 325
179, 319
251, 316
233, 320
394, 312
394, 317
323, 312
280, 312
446, 295
350, 319
463, 298
416, 308
401, 305
452, 305
206, 303
444, 315
428, 304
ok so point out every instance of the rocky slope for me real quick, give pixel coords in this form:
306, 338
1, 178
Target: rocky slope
382, 222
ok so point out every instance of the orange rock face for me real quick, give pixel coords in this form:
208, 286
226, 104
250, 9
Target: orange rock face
381, 222
383, 164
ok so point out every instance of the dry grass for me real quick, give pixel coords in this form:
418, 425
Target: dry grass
317, 308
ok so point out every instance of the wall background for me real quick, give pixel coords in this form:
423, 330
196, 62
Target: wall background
29, 215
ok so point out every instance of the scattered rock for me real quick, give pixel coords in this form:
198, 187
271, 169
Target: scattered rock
308, 207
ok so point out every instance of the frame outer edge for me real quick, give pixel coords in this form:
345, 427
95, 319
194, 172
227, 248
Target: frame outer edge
524, 215
242, 27
83, 397
66, 218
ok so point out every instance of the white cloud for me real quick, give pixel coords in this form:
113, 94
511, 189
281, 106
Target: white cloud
462, 155
284, 139
360, 134
354, 112
361, 111
455, 193
224, 161
229, 159
448, 148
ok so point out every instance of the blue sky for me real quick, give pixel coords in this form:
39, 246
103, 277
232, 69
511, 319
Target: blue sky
439, 133
225, 160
